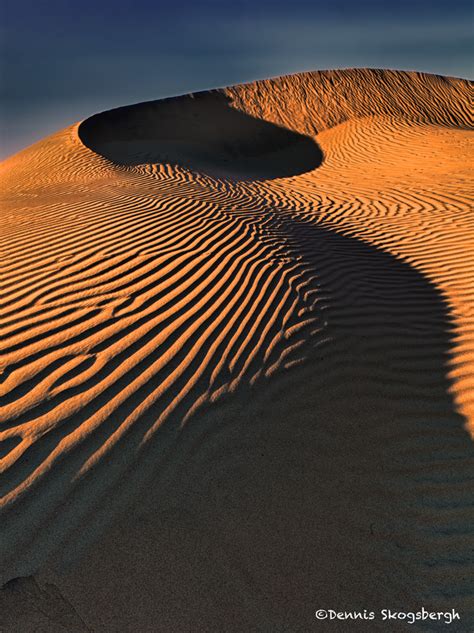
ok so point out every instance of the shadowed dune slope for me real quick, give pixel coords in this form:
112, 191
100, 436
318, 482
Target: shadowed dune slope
237, 360
201, 131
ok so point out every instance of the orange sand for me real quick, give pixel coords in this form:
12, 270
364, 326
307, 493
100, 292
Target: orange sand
235, 325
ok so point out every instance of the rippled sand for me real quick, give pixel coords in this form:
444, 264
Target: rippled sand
238, 359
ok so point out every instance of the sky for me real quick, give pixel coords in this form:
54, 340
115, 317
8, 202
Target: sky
63, 60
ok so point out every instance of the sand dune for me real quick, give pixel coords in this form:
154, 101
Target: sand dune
237, 359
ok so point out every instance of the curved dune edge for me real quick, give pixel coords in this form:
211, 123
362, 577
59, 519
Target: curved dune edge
300, 280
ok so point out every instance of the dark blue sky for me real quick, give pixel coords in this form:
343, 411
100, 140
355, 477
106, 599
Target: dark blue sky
64, 60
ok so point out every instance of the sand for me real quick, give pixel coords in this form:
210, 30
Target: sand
238, 360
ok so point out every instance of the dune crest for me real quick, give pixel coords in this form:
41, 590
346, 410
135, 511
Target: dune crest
289, 259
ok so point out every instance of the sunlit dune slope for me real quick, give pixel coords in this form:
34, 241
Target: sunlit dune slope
291, 258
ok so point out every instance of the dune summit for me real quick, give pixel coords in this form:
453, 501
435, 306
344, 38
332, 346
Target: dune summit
237, 360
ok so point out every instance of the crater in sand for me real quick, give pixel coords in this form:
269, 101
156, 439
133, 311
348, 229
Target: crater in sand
202, 132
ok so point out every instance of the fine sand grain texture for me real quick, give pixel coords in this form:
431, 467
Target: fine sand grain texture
237, 361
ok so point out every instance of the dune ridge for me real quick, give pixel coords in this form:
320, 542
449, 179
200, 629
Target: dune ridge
290, 259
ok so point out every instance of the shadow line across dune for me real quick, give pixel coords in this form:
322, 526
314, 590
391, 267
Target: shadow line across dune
337, 483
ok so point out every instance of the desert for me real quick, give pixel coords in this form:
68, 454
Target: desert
237, 360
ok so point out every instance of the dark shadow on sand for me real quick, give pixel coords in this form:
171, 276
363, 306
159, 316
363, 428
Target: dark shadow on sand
339, 484
201, 132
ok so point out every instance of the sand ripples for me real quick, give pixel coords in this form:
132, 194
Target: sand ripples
143, 292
